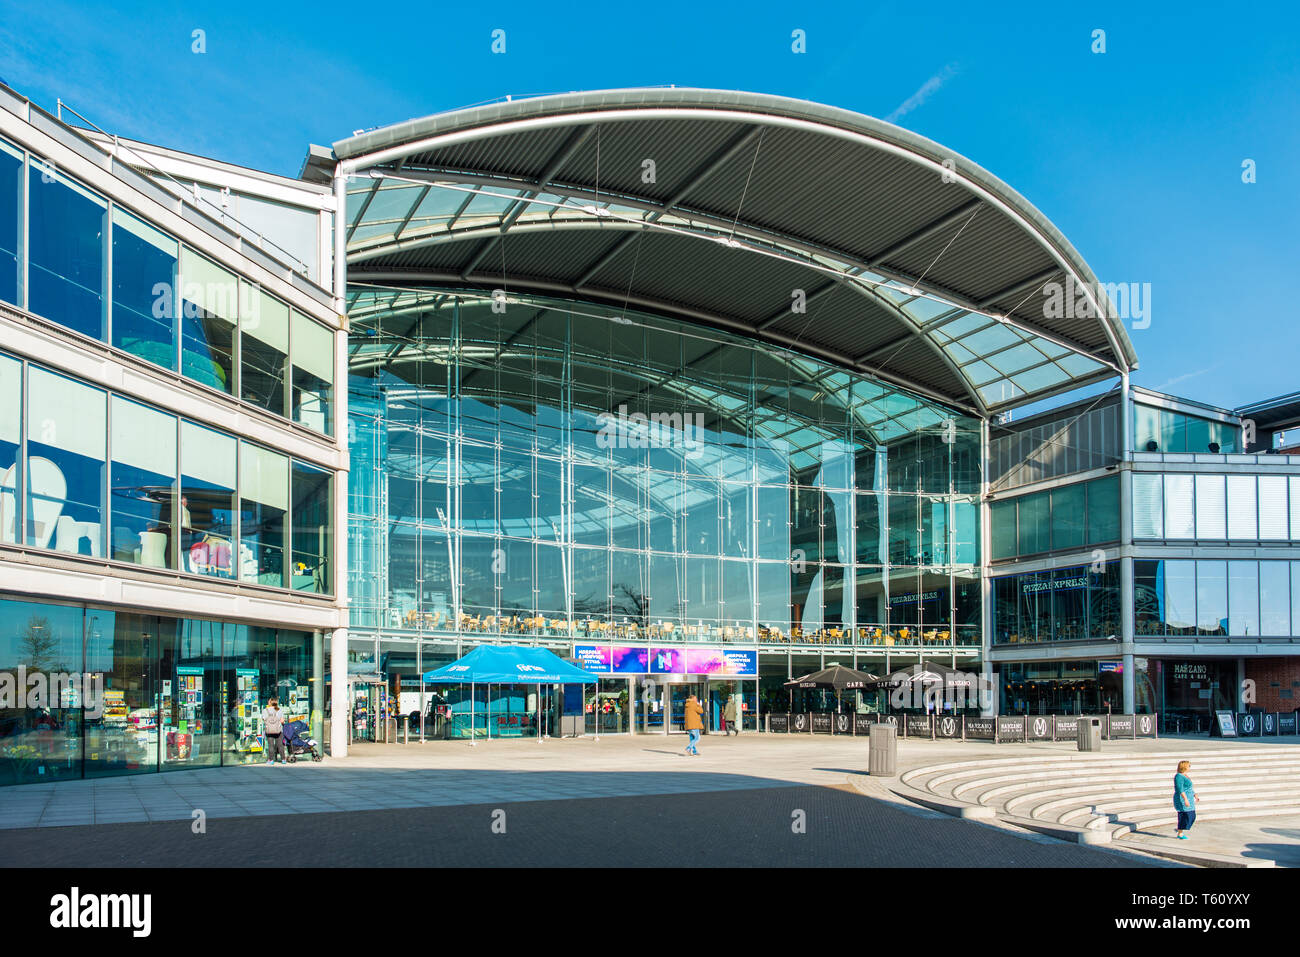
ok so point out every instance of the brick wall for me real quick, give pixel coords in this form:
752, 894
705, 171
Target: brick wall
1277, 682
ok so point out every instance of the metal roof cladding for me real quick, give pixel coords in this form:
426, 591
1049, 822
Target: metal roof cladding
804, 225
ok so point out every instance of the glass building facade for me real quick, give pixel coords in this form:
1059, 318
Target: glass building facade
87, 691
545, 468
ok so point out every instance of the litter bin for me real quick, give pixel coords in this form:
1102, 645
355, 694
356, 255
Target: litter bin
883, 758
1090, 734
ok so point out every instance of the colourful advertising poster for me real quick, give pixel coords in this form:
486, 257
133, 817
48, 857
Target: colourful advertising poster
667, 661
592, 657
721, 661
630, 661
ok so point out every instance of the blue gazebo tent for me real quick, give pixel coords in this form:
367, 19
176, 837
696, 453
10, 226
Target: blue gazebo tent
508, 665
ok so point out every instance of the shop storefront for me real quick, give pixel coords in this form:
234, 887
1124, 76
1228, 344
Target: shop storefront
109, 692
1193, 688
645, 688
1063, 687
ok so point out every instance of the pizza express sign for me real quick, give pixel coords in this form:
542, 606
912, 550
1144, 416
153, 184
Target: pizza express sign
1057, 584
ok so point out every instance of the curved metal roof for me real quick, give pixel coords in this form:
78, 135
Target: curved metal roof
915, 264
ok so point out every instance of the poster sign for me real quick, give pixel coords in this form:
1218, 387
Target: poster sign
799, 723
1146, 726
1065, 727
1249, 725
667, 661
1121, 726
1224, 726
1270, 723
1286, 723
592, 657
862, 723
918, 725
1040, 727
842, 723
778, 723
1110, 667
1010, 728
947, 726
629, 661
821, 723
980, 729
742, 662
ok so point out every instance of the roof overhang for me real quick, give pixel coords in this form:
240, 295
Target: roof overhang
804, 225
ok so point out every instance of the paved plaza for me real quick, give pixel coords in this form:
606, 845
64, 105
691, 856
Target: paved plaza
628, 799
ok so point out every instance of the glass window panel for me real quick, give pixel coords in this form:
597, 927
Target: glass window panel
1002, 516
263, 349
1104, 602
1146, 427
1035, 604
144, 290
1243, 599
1211, 508
143, 483
1148, 597
1180, 597
124, 648
1033, 523
1274, 598
11, 405
11, 212
1272, 507
67, 437
1148, 507
904, 534
1173, 431
1180, 519
1103, 510
872, 546
1241, 507
1212, 598
772, 511
313, 374
1070, 604
208, 316
1295, 597
208, 502
263, 505
965, 532
190, 716
1068, 515
65, 251
42, 739
1198, 435
312, 534
1295, 506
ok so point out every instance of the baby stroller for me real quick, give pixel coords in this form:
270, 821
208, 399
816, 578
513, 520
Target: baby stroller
296, 741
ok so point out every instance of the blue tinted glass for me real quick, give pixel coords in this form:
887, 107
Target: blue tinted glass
11, 194
144, 291
65, 274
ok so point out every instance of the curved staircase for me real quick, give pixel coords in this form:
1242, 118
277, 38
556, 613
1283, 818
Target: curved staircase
1103, 796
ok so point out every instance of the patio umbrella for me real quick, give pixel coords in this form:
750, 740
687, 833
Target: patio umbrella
924, 675
836, 678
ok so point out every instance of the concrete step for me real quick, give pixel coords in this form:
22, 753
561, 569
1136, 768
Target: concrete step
1209, 814
1030, 791
1058, 807
1043, 770
1122, 810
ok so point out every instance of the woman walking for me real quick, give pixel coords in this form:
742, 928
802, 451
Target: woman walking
730, 716
694, 724
1184, 799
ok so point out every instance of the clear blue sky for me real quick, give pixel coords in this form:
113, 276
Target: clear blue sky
1135, 154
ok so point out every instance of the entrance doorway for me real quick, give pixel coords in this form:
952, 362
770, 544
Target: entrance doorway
675, 705
367, 707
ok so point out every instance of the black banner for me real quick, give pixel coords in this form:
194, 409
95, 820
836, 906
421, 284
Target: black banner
1249, 724
1146, 725
980, 729
1286, 723
779, 723
862, 723
1066, 727
892, 719
1120, 726
947, 726
842, 723
918, 726
821, 723
1010, 728
1270, 723
799, 723
1039, 727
